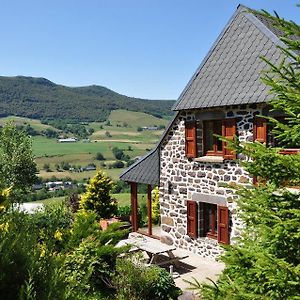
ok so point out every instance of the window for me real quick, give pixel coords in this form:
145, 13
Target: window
213, 221
262, 132
213, 145
210, 220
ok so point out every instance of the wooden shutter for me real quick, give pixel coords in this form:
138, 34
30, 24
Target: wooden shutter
223, 225
260, 130
228, 131
190, 139
192, 220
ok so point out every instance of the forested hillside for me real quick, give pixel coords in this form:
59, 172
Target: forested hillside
40, 98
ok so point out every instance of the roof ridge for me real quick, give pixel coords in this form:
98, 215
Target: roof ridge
263, 28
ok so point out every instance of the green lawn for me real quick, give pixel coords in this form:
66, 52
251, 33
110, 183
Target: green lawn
122, 198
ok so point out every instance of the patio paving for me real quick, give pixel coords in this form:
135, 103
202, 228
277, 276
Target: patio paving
191, 266
197, 267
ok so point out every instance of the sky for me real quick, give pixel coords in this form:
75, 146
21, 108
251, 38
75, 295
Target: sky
140, 48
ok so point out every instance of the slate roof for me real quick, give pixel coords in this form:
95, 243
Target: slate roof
230, 73
145, 170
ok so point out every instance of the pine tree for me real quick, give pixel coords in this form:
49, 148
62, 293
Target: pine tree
97, 197
264, 261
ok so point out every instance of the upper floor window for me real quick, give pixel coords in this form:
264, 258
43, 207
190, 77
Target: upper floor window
212, 145
262, 132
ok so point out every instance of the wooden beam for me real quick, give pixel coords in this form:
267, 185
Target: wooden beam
149, 208
134, 206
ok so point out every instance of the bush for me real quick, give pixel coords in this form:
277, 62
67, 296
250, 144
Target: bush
28, 263
120, 187
124, 212
155, 206
118, 164
143, 283
100, 156
97, 197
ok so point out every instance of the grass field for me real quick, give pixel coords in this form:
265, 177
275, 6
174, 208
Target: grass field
122, 198
123, 134
35, 124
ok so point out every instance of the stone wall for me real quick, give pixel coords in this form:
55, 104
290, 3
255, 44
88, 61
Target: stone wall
182, 178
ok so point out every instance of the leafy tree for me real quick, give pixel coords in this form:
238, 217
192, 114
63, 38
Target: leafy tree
50, 133
100, 156
118, 164
97, 197
264, 262
46, 167
17, 166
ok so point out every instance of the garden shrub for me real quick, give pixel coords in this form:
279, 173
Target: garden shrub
143, 283
155, 206
98, 198
124, 212
27, 260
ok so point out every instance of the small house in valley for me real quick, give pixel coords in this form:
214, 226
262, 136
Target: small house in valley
192, 167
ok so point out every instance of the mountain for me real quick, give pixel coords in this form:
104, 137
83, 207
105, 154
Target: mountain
39, 98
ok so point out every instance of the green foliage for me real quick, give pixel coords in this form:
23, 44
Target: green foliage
97, 197
270, 165
17, 166
29, 270
100, 156
119, 154
284, 80
39, 98
124, 212
155, 206
118, 164
143, 283
48, 256
264, 262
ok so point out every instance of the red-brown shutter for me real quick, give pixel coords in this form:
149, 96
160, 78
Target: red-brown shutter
190, 139
228, 131
192, 220
260, 130
223, 225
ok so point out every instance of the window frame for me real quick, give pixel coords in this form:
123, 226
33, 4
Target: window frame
197, 223
210, 232
215, 151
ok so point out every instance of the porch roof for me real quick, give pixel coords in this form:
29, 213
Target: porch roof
145, 170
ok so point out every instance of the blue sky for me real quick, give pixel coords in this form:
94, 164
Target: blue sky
140, 48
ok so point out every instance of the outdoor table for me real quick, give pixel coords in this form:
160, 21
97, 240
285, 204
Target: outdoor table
154, 249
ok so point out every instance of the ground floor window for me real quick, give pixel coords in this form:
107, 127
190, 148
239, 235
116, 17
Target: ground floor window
208, 220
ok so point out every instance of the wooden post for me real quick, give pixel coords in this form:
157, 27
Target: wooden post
134, 206
149, 208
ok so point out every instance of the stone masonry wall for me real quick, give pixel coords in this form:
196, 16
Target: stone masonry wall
180, 177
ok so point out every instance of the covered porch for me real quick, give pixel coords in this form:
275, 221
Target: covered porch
144, 171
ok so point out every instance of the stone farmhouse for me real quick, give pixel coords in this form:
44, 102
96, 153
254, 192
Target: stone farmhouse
190, 165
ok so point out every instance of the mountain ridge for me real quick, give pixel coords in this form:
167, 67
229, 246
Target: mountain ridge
40, 98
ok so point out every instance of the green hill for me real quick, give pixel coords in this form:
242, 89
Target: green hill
39, 98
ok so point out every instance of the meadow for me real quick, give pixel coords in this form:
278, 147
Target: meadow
120, 130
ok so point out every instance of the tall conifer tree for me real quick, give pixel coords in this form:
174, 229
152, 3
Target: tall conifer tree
264, 261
